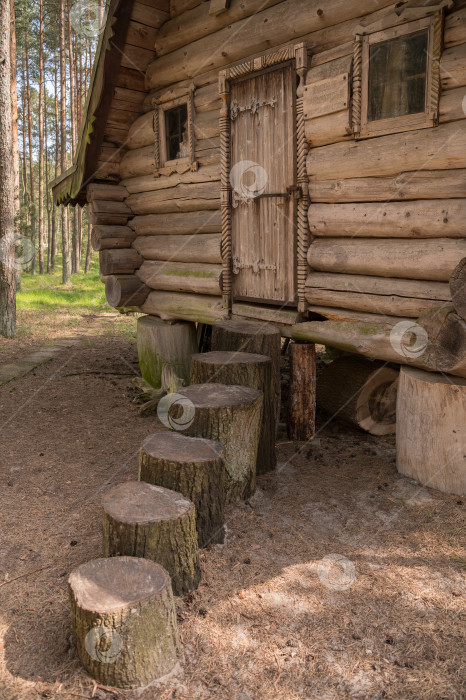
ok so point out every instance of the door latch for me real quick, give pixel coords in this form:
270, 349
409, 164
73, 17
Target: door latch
292, 192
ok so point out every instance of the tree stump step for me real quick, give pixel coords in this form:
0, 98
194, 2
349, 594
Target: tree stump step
243, 369
154, 523
231, 415
124, 620
194, 467
255, 337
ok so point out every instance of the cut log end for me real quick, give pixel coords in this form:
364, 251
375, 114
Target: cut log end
458, 288
125, 290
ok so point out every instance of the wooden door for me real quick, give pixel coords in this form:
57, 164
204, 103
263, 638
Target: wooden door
263, 150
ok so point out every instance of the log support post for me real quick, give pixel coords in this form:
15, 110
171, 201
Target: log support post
163, 344
302, 405
430, 435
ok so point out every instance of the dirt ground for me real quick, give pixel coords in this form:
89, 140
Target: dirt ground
339, 579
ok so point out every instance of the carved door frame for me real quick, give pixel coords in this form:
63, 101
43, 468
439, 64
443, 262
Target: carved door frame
299, 53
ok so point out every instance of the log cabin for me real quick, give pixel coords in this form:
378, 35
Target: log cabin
297, 162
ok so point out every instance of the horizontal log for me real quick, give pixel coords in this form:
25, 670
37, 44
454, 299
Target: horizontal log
371, 339
119, 262
198, 23
97, 190
422, 259
141, 161
282, 317
206, 97
147, 13
451, 105
196, 278
330, 68
391, 305
108, 212
178, 7
452, 67
427, 184
191, 197
177, 223
125, 290
104, 237
330, 128
203, 248
108, 170
439, 148
149, 183
455, 28
289, 20
436, 218
188, 307
332, 313
365, 284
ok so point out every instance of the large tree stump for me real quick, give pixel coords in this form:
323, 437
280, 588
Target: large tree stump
194, 467
243, 369
360, 393
155, 523
124, 620
301, 421
231, 415
163, 344
430, 434
252, 336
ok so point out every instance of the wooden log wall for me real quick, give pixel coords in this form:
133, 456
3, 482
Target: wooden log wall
387, 214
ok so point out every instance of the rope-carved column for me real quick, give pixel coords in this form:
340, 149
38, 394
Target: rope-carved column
357, 84
303, 202
225, 149
437, 36
156, 129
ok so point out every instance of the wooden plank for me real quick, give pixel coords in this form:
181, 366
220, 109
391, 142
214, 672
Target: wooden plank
329, 68
436, 218
179, 7
197, 278
136, 58
427, 184
149, 183
150, 16
141, 35
177, 224
189, 307
439, 148
423, 260
391, 305
419, 289
201, 248
326, 96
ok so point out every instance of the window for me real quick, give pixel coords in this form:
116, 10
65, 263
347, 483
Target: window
393, 81
176, 132
173, 124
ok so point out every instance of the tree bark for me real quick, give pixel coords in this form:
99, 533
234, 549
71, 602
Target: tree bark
302, 406
7, 189
124, 620
152, 522
32, 199
360, 393
243, 369
256, 337
446, 346
40, 111
66, 262
193, 467
162, 345
231, 415
430, 435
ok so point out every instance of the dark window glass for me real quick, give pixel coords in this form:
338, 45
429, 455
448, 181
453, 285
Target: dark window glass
176, 125
397, 76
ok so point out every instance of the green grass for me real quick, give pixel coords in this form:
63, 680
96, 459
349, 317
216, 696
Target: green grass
47, 293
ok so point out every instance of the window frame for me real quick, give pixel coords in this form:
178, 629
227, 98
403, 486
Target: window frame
406, 122
162, 164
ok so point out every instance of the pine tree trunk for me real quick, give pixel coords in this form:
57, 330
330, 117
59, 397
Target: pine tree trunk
87, 265
31, 165
124, 620
152, 522
66, 263
7, 189
14, 130
41, 137
191, 466
302, 406
53, 252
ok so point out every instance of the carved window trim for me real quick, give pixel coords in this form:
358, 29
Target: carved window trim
162, 165
366, 129
299, 53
